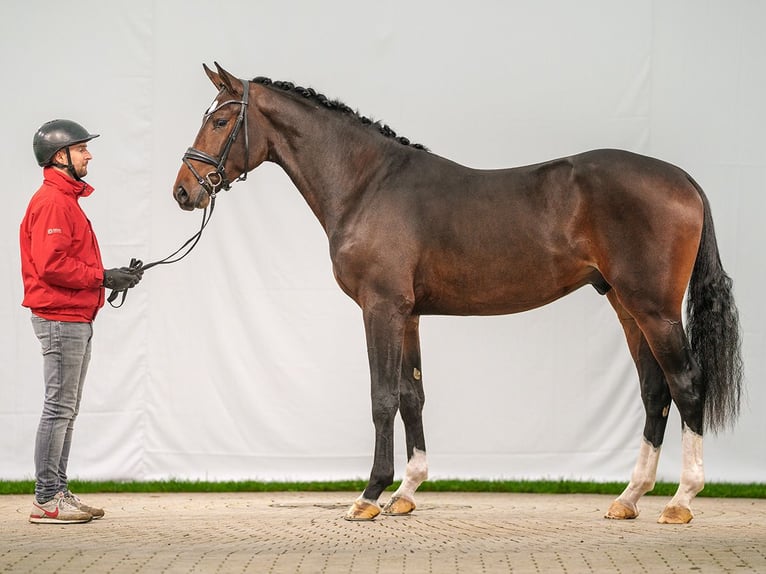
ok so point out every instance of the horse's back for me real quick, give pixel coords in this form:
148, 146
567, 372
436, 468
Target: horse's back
504, 241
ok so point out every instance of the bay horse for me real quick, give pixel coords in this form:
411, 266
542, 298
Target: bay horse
412, 233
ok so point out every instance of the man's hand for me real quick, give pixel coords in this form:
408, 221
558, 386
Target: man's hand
119, 279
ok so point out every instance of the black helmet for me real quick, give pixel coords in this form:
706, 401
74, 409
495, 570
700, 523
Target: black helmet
55, 135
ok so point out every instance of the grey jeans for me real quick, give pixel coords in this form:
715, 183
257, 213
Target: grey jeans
66, 354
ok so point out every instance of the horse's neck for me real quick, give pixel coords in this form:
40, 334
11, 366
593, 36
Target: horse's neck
328, 158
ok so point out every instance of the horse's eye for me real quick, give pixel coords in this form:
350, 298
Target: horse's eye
220, 123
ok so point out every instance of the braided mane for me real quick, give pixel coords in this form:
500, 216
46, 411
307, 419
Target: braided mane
337, 105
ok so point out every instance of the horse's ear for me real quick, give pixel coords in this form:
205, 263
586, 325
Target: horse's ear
215, 78
227, 80
222, 79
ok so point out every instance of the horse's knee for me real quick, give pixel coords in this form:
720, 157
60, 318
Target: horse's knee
384, 408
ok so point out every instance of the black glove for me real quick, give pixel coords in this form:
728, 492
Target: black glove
122, 278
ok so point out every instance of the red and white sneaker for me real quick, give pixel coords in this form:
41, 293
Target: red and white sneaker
75, 501
58, 511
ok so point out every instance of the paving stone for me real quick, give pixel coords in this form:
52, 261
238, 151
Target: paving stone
296, 533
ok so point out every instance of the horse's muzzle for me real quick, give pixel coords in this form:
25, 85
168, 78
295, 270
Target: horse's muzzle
182, 197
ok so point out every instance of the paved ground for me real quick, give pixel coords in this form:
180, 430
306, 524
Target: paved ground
448, 533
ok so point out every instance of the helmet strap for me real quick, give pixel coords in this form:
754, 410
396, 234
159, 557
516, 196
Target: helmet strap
69, 166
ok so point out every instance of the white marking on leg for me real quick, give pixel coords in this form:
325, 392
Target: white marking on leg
692, 469
414, 475
644, 475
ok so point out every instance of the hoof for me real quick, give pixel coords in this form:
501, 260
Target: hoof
621, 511
362, 510
399, 506
675, 515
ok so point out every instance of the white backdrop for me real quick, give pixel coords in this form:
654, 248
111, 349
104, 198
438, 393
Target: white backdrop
246, 361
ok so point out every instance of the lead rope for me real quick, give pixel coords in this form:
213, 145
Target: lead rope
172, 258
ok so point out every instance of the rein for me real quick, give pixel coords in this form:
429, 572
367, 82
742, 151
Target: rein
212, 183
191, 243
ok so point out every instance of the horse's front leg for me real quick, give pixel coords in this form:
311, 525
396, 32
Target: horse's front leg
412, 399
384, 327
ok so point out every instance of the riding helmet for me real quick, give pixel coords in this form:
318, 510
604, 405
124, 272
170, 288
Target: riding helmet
55, 135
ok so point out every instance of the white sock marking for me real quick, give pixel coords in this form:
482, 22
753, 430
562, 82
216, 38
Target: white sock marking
644, 474
414, 475
692, 469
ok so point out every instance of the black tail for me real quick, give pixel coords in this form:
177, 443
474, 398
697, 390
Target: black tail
713, 329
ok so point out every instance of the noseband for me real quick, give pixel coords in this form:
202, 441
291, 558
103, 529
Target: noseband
216, 180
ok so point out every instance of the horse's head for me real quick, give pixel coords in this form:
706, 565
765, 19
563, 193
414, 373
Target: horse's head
221, 152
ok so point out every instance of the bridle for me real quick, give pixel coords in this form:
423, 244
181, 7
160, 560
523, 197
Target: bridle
212, 183
216, 180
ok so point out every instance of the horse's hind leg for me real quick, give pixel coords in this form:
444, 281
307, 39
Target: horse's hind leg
685, 382
671, 347
665, 335
411, 401
655, 395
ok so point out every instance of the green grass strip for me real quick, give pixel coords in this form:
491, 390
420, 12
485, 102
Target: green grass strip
714, 490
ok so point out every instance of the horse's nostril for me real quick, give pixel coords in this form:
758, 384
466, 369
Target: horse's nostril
181, 195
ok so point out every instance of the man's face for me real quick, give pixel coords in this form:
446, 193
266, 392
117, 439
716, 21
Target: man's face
80, 158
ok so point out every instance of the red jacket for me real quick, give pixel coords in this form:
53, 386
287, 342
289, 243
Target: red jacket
60, 259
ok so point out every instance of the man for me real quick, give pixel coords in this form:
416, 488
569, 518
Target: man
64, 282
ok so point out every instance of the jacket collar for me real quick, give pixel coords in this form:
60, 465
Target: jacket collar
65, 183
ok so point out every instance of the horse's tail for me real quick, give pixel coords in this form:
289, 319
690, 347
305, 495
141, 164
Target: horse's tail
713, 329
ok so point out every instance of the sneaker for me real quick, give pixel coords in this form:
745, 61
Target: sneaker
58, 511
75, 501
